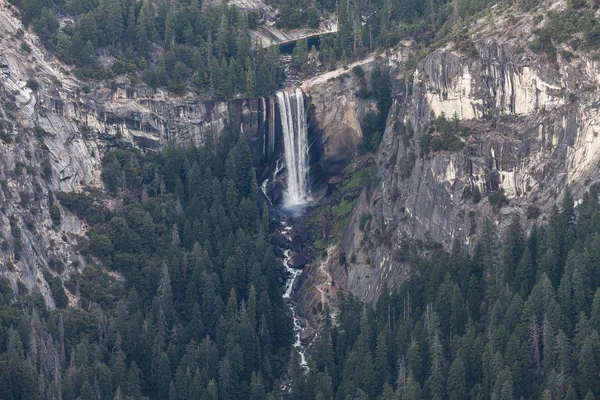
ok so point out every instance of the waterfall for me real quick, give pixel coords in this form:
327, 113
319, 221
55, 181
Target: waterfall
295, 143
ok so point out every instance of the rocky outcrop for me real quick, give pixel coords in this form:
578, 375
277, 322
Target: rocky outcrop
529, 127
54, 130
268, 34
338, 111
40, 152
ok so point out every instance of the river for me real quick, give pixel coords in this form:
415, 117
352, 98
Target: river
287, 296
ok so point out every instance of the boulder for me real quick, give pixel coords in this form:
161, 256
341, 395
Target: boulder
278, 239
296, 244
298, 262
278, 252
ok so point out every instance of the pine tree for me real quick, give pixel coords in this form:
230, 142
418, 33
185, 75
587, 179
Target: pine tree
170, 28
457, 380
382, 366
524, 277
489, 252
412, 390
595, 314
113, 21
512, 249
588, 367
250, 84
257, 389
88, 28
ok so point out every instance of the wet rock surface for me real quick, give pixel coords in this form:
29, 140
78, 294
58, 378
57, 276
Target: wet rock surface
298, 261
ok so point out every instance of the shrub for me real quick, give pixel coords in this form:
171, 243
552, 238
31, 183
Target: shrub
83, 206
58, 292
406, 133
498, 199
100, 245
55, 214
394, 195
533, 212
16, 232
407, 164
25, 47
56, 265
476, 195
39, 132
32, 84
358, 71
364, 218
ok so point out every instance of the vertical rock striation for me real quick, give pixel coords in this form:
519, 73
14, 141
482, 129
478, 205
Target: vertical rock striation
530, 129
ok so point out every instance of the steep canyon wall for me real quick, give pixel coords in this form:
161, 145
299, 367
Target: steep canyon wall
530, 127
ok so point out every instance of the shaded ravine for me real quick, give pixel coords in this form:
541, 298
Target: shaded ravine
297, 193
287, 296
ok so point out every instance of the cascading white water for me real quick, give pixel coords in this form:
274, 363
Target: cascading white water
287, 295
295, 143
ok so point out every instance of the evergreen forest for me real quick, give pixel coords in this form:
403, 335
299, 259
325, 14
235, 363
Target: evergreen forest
207, 47
183, 300
517, 321
181, 295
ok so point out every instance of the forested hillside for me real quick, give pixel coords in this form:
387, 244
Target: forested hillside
521, 320
181, 295
192, 308
206, 47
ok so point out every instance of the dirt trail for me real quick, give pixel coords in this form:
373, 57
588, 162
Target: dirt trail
323, 274
322, 78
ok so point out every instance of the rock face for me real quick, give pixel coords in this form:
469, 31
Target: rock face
53, 138
40, 152
532, 130
269, 35
338, 112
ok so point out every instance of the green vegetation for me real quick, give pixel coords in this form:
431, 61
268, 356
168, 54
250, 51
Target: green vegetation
518, 319
328, 222
342, 209
192, 306
178, 45
562, 27
498, 199
533, 212
443, 134
407, 164
206, 47
374, 123
32, 84
55, 214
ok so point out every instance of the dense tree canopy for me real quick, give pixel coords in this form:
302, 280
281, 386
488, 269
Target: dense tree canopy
518, 319
198, 313
207, 47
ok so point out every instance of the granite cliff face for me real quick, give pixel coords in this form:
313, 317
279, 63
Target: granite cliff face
55, 130
531, 128
41, 152
339, 110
